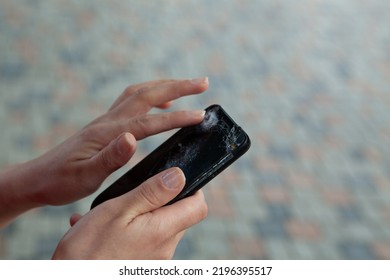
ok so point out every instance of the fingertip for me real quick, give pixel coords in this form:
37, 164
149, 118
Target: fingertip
74, 219
201, 83
130, 138
165, 105
127, 144
198, 115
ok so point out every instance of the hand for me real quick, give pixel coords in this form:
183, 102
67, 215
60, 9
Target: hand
135, 225
78, 166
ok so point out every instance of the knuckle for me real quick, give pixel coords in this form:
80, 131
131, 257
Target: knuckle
167, 118
88, 133
148, 194
96, 130
135, 91
129, 90
140, 93
141, 126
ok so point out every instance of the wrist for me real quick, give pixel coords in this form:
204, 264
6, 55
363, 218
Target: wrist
19, 185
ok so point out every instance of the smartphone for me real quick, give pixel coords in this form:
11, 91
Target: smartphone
201, 151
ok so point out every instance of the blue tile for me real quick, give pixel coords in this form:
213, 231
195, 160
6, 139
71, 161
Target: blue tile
9, 230
360, 181
73, 56
12, 70
358, 155
270, 178
45, 246
185, 249
282, 152
356, 251
344, 69
23, 142
350, 213
278, 212
270, 228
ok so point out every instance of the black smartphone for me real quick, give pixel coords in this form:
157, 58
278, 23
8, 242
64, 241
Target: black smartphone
201, 151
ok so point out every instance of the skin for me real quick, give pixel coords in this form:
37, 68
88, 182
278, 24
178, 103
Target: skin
145, 230
132, 226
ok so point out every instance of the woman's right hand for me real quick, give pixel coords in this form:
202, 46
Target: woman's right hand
135, 225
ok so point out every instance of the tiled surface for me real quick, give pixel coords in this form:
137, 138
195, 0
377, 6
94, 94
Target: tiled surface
308, 80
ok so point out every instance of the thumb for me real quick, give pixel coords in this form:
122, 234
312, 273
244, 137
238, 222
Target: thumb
116, 154
153, 193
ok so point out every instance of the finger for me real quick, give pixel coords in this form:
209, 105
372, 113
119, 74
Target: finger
137, 88
165, 105
153, 193
147, 125
142, 101
74, 219
174, 90
182, 214
116, 154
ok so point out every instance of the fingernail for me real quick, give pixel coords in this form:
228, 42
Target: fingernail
173, 178
200, 81
198, 113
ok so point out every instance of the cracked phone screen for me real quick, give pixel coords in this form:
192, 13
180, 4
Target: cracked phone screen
200, 147
200, 151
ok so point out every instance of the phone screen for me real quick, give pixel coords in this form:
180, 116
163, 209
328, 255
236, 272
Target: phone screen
201, 151
200, 147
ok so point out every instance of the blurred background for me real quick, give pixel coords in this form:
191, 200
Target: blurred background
308, 80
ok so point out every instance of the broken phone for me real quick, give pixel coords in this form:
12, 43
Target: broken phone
201, 151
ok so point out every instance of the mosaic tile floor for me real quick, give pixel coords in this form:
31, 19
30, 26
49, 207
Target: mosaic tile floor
309, 80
